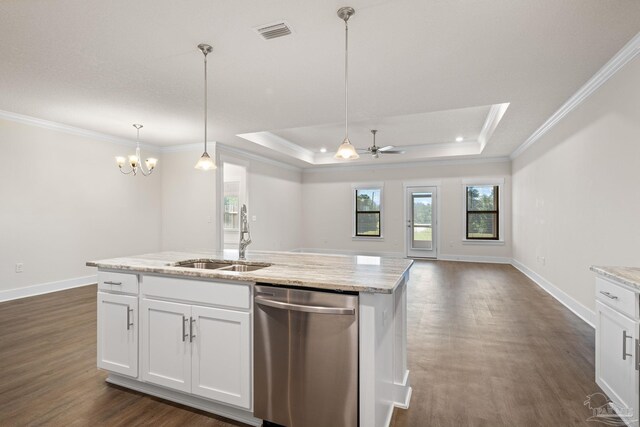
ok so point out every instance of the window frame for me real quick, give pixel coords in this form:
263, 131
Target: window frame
480, 182
354, 212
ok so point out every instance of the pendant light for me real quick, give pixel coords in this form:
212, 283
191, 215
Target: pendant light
205, 162
134, 160
346, 151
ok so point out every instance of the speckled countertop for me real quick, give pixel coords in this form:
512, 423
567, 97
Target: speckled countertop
336, 272
629, 276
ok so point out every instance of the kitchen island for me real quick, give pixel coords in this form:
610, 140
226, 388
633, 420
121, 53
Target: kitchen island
180, 325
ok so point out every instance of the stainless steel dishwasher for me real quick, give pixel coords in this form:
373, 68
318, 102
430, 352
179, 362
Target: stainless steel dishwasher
305, 357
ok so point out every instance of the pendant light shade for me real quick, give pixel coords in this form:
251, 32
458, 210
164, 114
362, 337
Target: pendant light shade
205, 162
346, 150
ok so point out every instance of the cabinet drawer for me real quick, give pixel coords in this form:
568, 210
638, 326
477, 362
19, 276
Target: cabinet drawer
617, 297
118, 282
224, 294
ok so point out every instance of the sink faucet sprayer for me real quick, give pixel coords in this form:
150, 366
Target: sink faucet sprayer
245, 235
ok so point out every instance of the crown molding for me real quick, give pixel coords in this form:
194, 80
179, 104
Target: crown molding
186, 147
222, 148
46, 124
414, 164
615, 64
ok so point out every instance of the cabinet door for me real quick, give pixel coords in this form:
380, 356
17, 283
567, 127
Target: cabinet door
222, 355
118, 333
616, 372
166, 352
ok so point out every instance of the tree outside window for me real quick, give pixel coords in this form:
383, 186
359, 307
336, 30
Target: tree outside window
368, 208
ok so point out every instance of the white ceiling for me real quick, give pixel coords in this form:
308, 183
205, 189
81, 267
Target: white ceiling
102, 66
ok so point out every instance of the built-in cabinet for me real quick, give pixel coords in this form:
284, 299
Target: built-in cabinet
617, 341
200, 350
118, 333
190, 336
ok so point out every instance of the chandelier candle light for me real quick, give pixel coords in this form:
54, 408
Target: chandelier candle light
134, 160
346, 150
205, 162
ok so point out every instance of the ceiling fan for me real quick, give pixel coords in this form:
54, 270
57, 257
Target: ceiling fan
375, 151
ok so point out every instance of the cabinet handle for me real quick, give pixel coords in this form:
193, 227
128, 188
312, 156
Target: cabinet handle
624, 345
608, 295
184, 329
129, 322
191, 335
637, 357
108, 282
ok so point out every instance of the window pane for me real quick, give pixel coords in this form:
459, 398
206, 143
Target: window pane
231, 212
482, 198
368, 224
368, 200
482, 226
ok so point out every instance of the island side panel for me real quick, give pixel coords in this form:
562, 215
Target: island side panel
401, 373
382, 356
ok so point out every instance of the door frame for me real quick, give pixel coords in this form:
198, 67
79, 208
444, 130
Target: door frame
222, 158
405, 186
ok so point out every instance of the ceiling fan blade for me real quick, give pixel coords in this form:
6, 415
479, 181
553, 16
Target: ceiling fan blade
363, 150
394, 152
386, 148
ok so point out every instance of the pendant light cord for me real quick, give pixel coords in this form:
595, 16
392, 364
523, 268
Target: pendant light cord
346, 79
205, 102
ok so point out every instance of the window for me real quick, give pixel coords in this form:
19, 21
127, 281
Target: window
231, 212
368, 206
483, 214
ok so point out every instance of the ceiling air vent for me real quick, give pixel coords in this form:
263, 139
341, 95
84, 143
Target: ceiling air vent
274, 30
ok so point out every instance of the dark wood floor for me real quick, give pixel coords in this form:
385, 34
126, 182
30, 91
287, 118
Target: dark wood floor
486, 347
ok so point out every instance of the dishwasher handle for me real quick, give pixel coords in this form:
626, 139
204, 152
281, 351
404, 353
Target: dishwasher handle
305, 308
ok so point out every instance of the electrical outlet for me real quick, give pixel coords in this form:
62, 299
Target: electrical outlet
19, 267
254, 218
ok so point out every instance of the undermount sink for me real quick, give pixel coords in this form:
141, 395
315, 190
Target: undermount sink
221, 265
207, 265
242, 267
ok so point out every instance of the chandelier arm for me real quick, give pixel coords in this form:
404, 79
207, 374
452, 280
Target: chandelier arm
125, 173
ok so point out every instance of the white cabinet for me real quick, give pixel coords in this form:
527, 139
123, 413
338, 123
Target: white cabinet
221, 358
166, 350
199, 350
118, 333
617, 360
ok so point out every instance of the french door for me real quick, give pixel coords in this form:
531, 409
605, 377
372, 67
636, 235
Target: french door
421, 220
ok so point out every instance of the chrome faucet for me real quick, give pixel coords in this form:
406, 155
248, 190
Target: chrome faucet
245, 235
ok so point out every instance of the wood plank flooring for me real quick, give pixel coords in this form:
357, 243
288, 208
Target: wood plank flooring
487, 347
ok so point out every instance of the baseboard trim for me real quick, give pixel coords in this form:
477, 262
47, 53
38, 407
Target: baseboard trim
45, 288
578, 309
348, 252
237, 414
475, 258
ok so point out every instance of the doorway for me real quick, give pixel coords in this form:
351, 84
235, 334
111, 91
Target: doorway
421, 217
234, 195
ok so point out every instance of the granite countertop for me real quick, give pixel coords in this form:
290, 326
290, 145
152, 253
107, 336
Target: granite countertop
336, 272
629, 276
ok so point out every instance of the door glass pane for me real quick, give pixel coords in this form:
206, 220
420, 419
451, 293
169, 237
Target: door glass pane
422, 236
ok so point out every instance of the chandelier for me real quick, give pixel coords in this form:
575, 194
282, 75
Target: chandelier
135, 161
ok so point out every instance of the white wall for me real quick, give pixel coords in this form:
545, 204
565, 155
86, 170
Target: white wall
275, 198
188, 203
327, 208
577, 191
63, 202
